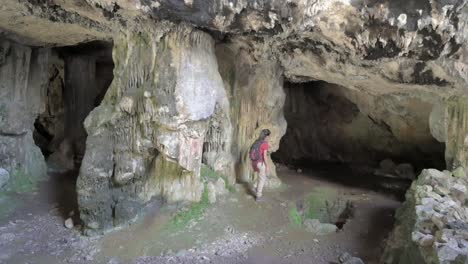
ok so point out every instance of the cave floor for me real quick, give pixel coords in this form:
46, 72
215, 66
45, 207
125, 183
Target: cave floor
236, 229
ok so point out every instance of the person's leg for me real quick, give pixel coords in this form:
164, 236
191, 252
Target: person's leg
261, 178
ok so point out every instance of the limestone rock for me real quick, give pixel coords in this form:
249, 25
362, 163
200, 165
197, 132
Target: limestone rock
346, 258
220, 187
314, 226
39, 23
24, 76
211, 193
69, 223
430, 226
4, 177
255, 89
459, 172
456, 153
152, 146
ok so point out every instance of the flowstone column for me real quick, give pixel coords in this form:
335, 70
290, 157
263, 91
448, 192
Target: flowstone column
256, 97
23, 82
146, 137
456, 145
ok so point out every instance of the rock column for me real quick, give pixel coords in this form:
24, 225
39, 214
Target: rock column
456, 151
256, 98
23, 82
146, 137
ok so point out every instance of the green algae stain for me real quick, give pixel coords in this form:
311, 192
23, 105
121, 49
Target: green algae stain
295, 217
317, 202
193, 213
207, 173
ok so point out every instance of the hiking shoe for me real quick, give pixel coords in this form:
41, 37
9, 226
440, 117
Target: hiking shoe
259, 199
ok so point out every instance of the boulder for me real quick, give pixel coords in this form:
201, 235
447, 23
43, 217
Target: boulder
314, 226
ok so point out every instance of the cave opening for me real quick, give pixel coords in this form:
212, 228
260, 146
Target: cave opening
78, 78
373, 141
345, 143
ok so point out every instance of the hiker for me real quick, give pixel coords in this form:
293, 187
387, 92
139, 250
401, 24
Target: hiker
258, 155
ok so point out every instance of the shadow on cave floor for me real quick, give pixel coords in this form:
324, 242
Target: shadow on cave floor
354, 175
56, 194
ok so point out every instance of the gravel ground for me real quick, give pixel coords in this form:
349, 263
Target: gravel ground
234, 230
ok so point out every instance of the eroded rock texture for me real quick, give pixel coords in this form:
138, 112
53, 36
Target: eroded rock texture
24, 75
432, 224
146, 137
254, 86
51, 23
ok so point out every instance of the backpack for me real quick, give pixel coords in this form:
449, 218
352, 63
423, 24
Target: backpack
254, 152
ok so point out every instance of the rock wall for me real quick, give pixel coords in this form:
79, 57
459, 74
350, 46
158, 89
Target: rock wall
24, 78
329, 122
456, 151
49, 125
432, 223
255, 89
146, 138
53, 23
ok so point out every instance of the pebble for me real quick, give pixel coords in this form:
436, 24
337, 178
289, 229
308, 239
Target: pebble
69, 223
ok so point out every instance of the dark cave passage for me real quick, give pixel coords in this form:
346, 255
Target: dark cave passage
374, 141
78, 80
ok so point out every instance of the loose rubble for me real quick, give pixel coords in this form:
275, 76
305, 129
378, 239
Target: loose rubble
433, 222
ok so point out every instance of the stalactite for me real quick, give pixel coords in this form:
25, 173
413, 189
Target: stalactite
456, 152
153, 117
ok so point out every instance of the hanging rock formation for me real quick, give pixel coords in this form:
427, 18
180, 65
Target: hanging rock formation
146, 137
255, 88
24, 75
456, 151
